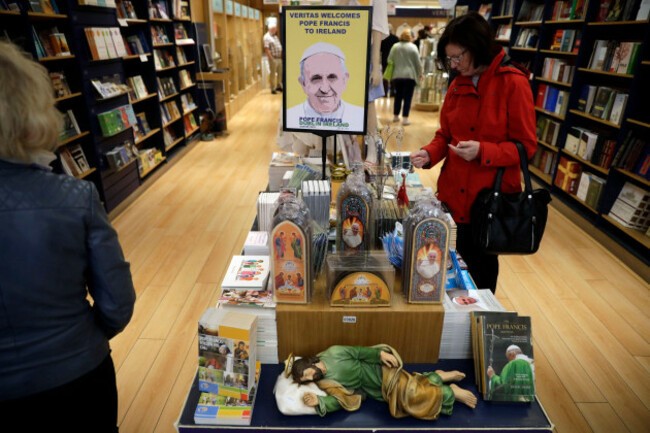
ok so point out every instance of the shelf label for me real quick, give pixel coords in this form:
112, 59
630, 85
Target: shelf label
122, 22
349, 319
143, 58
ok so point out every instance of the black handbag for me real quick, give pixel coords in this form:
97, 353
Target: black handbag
510, 223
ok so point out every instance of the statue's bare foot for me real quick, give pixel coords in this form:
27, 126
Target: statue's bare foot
451, 376
463, 395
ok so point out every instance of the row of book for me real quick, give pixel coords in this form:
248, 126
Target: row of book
185, 79
163, 59
595, 147
189, 123
552, 99
527, 38
38, 6
148, 159
137, 88
121, 155
568, 10
70, 126
507, 7
121, 118
615, 56
169, 112
531, 11
603, 102
125, 10
73, 160
105, 43
504, 31
187, 102
50, 42
631, 208
504, 365
558, 70
544, 160
566, 40
548, 130
166, 87
590, 188
634, 155
623, 10
169, 136
158, 35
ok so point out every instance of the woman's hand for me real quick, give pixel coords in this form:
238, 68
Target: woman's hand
388, 359
420, 158
468, 150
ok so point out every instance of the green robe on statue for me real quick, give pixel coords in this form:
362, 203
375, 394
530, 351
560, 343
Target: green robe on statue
360, 368
515, 383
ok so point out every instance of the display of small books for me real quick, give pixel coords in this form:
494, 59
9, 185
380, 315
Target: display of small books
120, 156
108, 89
246, 273
249, 298
60, 84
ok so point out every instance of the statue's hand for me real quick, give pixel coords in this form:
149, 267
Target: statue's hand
388, 359
310, 399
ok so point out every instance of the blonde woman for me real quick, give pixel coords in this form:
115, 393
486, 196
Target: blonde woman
407, 70
65, 288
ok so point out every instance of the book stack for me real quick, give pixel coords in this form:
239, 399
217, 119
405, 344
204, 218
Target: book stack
590, 188
558, 70
566, 41
568, 173
256, 244
280, 163
503, 356
265, 206
317, 196
632, 207
227, 367
246, 288
456, 340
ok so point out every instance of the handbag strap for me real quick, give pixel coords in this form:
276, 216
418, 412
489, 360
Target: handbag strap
523, 162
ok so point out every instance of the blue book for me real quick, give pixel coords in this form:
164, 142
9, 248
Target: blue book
551, 99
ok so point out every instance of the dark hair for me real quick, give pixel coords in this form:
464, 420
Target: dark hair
472, 32
300, 365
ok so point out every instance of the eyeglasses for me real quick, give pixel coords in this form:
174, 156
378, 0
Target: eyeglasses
445, 64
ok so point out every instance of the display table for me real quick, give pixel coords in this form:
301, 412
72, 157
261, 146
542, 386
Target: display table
374, 416
414, 330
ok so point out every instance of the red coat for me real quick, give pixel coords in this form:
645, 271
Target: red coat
499, 112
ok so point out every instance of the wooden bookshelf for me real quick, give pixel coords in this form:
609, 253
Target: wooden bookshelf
174, 143
553, 82
548, 113
637, 235
539, 173
86, 173
71, 139
146, 172
66, 97
594, 118
144, 98
589, 164
150, 134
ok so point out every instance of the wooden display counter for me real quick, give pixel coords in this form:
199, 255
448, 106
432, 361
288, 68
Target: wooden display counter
414, 330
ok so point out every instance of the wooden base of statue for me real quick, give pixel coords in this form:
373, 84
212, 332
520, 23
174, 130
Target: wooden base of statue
414, 330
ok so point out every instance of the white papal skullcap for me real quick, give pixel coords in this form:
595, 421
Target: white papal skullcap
322, 47
513, 347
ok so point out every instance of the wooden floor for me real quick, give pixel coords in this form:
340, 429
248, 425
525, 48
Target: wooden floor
590, 313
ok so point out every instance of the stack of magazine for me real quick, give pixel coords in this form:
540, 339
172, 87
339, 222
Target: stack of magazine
456, 341
246, 288
503, 356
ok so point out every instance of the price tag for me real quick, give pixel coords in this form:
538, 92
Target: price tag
349, 319
122, 22
143, 58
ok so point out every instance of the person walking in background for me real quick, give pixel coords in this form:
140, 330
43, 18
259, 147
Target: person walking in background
488, 107
65, 288
407, 71
386, 45
273, 48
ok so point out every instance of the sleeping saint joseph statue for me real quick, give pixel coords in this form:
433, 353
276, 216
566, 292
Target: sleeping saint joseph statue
348, 373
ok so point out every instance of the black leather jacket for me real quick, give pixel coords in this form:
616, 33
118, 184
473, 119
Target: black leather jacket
56, 247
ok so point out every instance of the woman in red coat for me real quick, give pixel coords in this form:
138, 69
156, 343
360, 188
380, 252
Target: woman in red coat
488, 106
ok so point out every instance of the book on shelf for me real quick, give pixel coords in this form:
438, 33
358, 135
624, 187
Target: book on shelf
187, 102
644, 11
60, 84
185, 78
642, 167
567, 175
166, 87
503, 356
504, 31
530, 11
590, 189
247, 273
485, 10
79, 157
125, 9
586, 98
44, 6
143, 125
180, 35
68, 163
158, 9
163, 59
137, 86
158, 35
169, 135
180, 55
631, 208
138, 43
190, 123
109, 86
70, 126
121, 155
